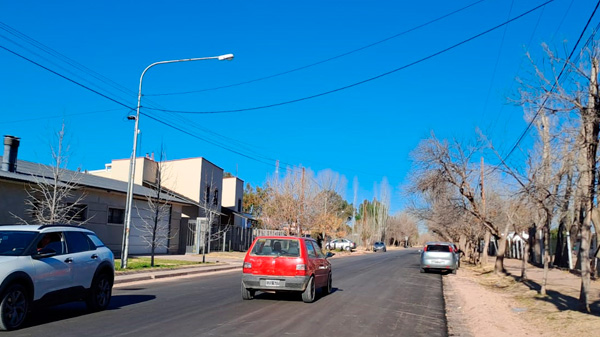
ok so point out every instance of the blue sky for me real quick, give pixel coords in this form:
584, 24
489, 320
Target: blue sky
365, 131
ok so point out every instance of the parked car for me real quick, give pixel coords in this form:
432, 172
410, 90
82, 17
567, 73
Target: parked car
286, 264
379, 246
341, 244
51, 265
438, 256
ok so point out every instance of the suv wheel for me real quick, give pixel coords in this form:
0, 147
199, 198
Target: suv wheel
100, 293
14, 307
308, 295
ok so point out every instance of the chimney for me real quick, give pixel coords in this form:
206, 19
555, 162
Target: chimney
9, 159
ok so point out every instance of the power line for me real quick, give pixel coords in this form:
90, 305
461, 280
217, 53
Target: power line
326, 60
487, 97
67, 78
553, 86
62, 58
148, 115
363, 81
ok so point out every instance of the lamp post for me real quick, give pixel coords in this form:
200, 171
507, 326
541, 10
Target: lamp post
130, 182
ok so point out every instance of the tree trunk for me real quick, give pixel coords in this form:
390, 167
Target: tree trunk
560, 256
524, 261
499, 265
486, 242
546, 232
584, 252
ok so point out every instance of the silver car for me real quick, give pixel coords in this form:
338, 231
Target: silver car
439, 256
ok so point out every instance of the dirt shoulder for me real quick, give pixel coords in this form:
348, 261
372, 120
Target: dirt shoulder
480, 303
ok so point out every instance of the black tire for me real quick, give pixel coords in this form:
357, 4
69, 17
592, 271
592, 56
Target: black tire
308, 295
13, 307
247, 294
328, 287
347, 248
100, 293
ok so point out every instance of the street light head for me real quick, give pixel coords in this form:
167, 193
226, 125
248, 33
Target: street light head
227, 57
131, 118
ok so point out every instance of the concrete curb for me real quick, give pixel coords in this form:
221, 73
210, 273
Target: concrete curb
146, 276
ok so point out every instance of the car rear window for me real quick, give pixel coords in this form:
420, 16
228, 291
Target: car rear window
276, 247
438, 248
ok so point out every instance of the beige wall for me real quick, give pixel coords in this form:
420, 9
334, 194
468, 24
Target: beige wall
183, 177
145, 170
233, 190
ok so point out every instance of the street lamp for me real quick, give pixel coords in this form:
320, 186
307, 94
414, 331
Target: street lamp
125, 244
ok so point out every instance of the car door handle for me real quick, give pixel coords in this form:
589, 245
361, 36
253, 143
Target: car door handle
68, 260
94, 256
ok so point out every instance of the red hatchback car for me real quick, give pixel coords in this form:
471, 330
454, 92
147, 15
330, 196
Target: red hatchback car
286, 263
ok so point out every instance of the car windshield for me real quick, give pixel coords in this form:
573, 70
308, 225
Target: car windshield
276, 247
13, 243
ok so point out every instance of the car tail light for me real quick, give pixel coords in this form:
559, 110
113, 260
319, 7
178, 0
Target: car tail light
451, 250
301, 269
425, 248
247, 265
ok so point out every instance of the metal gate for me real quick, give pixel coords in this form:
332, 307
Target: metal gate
197, 231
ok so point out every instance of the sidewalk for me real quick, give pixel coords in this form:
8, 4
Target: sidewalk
480, 303
219, 261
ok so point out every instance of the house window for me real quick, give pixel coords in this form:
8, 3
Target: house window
216, 197
116, 215
77, 212
239, 208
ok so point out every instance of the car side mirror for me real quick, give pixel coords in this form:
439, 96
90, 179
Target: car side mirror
44, 253
329, 254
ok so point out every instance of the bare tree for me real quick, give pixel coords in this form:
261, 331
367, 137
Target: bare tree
450, 164
579, 96
55, 197
155, 227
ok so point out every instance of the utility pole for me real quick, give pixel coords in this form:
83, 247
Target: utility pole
486, 240
301, 202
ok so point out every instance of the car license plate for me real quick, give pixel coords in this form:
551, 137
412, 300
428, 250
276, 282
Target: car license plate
272, 283
438, 261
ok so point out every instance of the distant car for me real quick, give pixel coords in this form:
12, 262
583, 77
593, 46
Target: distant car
286, 264
341, 244
51, 265
438, 256
379, 246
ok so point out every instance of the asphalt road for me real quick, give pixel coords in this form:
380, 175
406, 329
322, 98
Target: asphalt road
374, 295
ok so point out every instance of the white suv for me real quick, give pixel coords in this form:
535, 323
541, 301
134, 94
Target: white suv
51, 265
344, 244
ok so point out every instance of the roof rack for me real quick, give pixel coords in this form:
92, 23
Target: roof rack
59, 225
